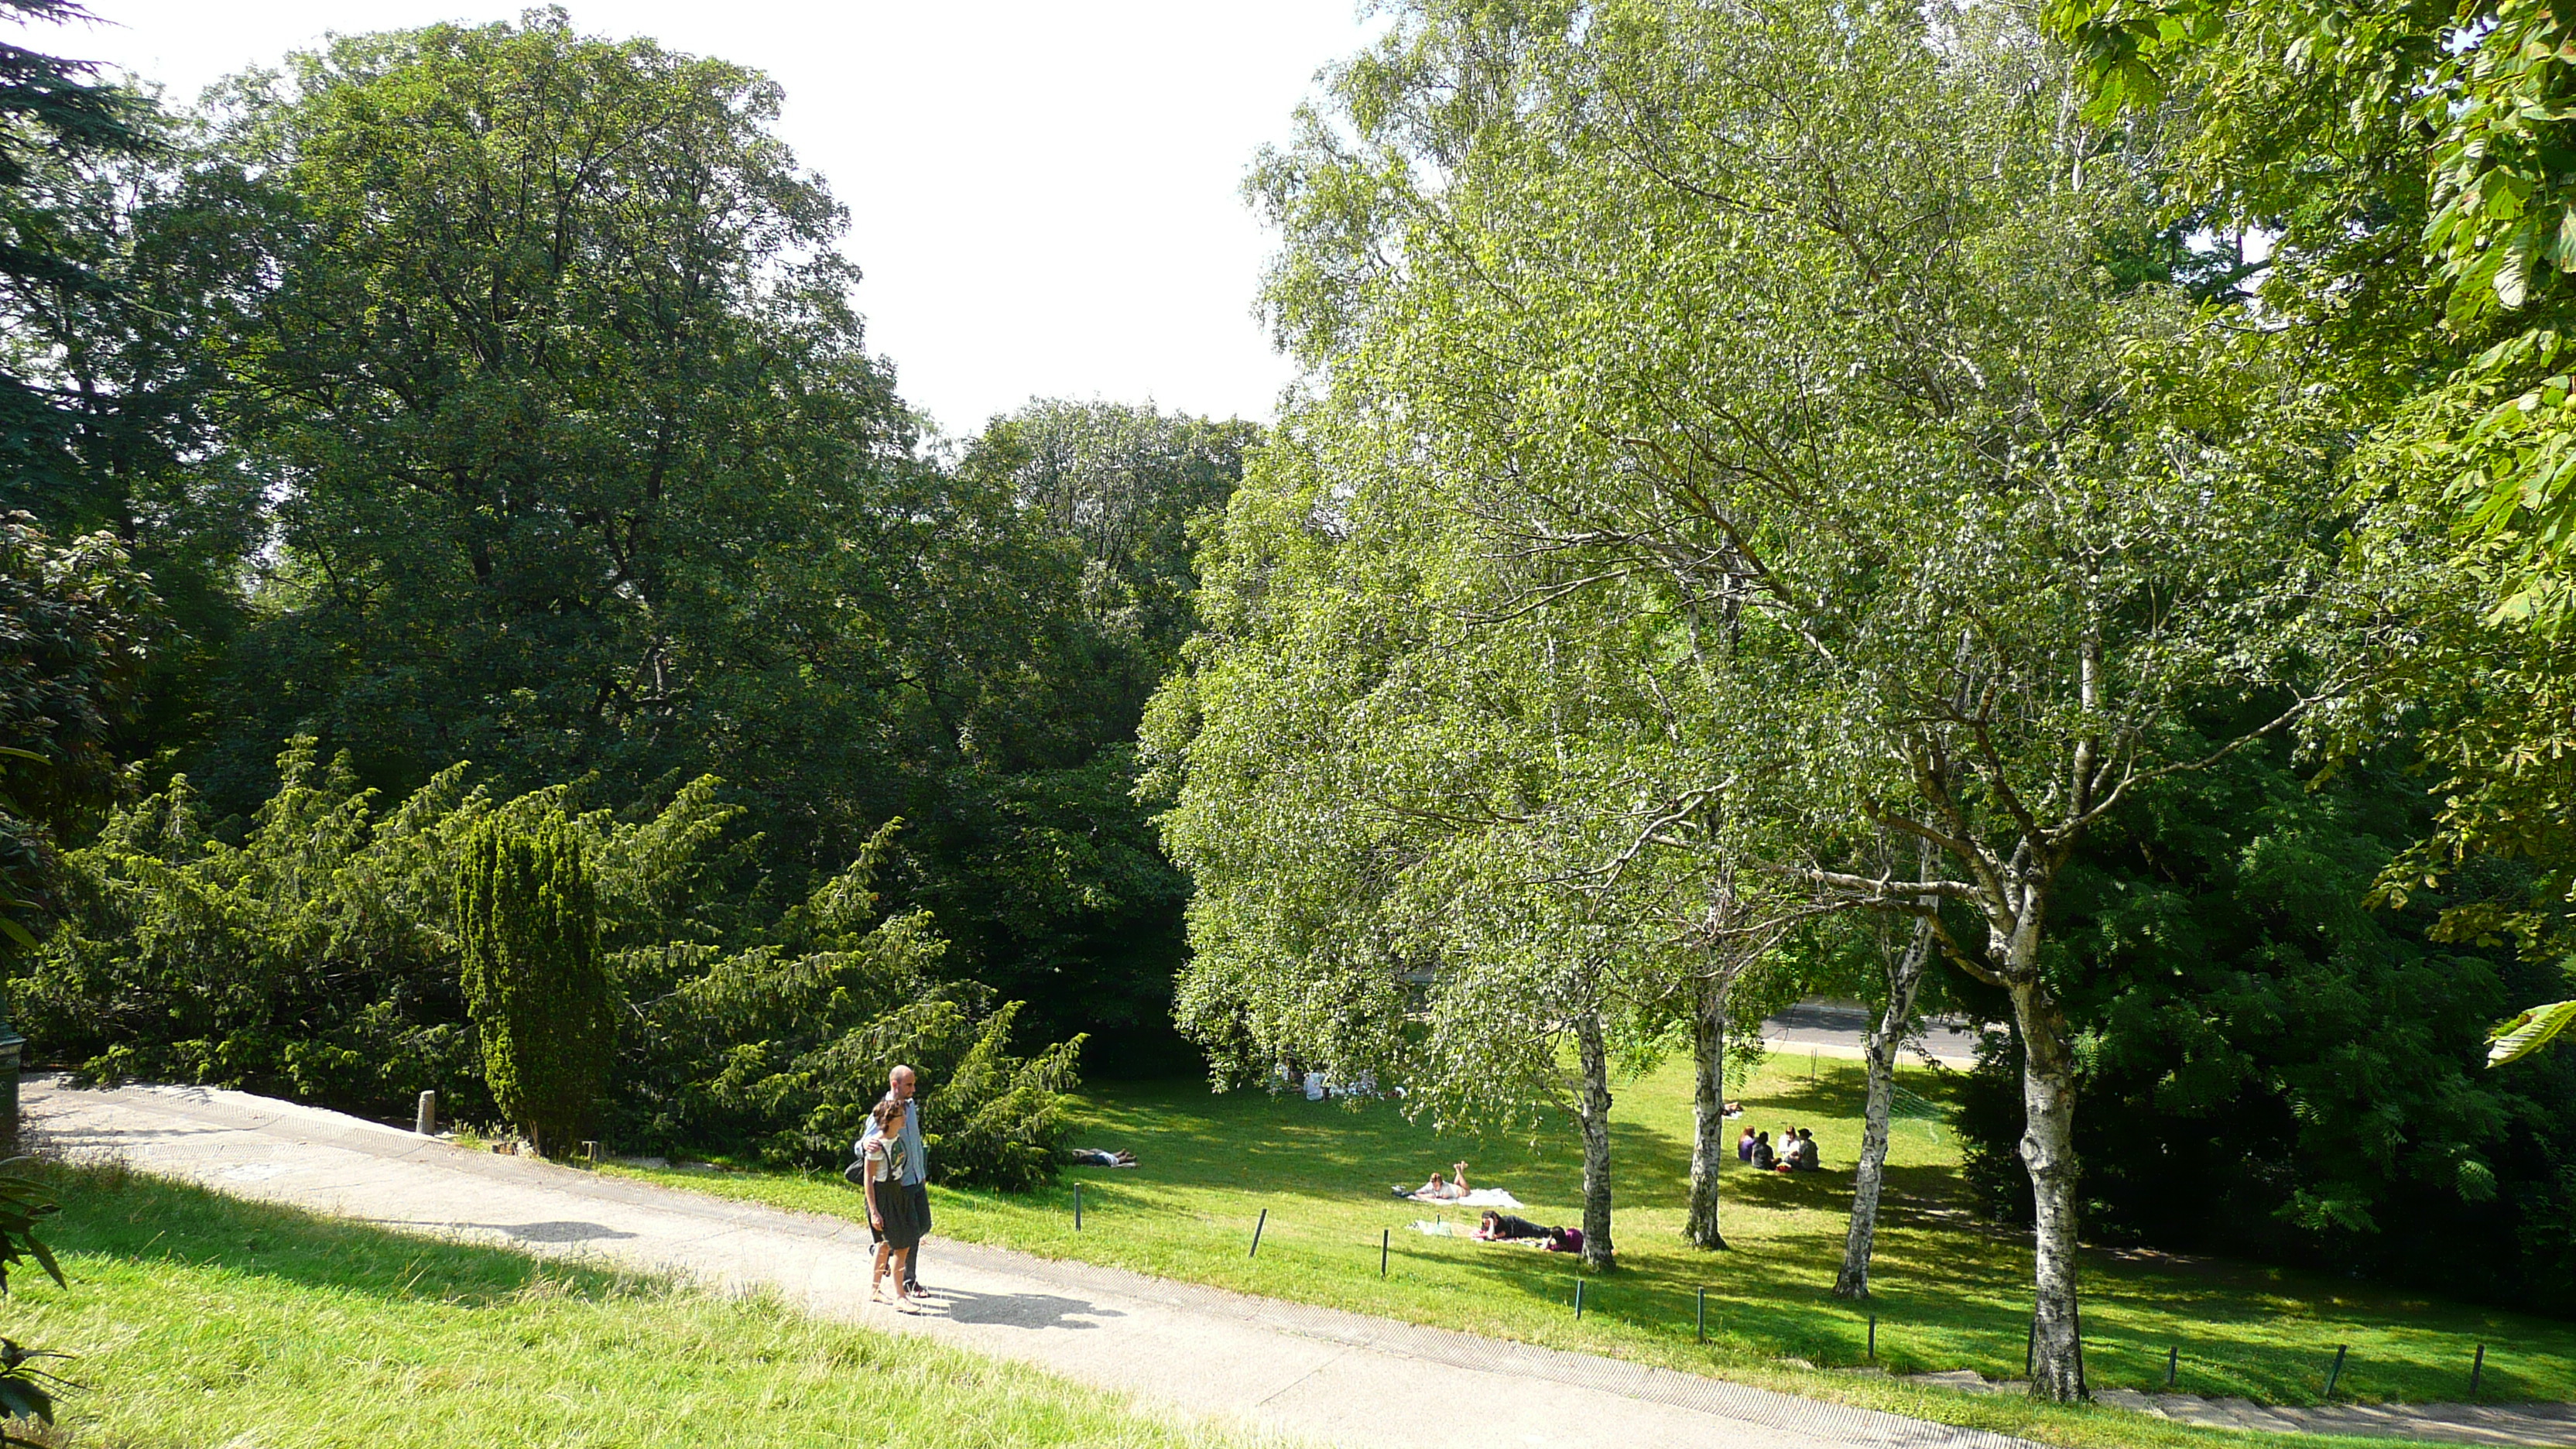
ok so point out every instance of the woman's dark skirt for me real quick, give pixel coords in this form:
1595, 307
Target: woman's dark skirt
903, 1226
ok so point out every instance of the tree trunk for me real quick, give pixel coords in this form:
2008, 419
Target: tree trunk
1904, 980
2048, 1150
1708, 1109
1595, 1117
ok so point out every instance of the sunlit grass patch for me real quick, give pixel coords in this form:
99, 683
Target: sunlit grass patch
1952, 1292
203, 1320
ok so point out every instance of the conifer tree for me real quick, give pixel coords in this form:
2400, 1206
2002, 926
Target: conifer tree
527, 919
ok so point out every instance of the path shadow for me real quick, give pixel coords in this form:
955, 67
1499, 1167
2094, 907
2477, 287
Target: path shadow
552, 1232
1024, 1310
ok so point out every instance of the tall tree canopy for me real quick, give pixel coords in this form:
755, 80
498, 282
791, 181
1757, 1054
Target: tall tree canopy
1795, 354
581, 462
2401, 194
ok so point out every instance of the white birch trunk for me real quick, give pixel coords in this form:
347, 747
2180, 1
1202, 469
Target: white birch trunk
1595, 1117
2048, 1150
1708, 1110
1904, 981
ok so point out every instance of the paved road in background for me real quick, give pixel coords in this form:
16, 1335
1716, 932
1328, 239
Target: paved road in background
1837, 1028
1283, 1369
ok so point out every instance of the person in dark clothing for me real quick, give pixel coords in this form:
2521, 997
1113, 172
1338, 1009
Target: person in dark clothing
1806, 1159
1744, 1146
1503, 1227
1764, 1159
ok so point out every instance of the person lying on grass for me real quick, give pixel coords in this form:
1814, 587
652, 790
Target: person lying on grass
890, 1212
1440, 1189
1505, 1228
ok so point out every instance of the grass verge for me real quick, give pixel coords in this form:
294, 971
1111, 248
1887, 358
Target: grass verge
204, 1320
1951, 1292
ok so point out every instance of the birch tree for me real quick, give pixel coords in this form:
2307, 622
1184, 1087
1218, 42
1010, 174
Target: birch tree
1823, 319
1382, 777
1903, 946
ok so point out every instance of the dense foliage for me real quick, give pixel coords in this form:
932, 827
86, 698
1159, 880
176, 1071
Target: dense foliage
498, 394
2275, 1070
75, 622
326, 958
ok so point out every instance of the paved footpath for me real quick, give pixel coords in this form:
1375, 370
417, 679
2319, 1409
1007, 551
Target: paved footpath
1285, 1370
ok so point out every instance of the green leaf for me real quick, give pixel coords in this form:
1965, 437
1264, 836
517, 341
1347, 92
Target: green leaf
2513, 274
2513, 1040
45, 1260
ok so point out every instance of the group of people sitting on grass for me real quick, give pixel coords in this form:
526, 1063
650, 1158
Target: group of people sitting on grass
1796, 1152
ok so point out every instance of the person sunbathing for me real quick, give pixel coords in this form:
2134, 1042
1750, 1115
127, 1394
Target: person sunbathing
1443, 1189
1500, 1227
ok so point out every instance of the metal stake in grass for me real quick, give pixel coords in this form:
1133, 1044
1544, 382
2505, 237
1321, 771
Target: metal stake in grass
1578, 1298
2336, 1372
1703, 1315
1077, 1207
2030, 1353
1383, 1235
1873, 1338
2477, 1370
2173, 1361
1256, 1233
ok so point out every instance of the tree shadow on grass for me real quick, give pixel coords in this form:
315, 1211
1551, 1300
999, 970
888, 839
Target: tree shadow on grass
1346, 1151
113, 1212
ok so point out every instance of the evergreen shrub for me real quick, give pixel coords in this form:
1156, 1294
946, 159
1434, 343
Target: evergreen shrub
527, 924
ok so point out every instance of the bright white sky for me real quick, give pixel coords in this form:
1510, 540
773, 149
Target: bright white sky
1043, 193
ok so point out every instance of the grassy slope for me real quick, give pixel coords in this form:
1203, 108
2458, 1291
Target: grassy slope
1951, 1293
201, 1320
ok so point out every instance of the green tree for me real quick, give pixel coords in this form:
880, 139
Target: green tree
527, 922
1056, 615
2408, 170
592, 468
76, 620
1124, 486
1902, 950
117, 263
2316, 1060
54, 113
322, 959
1794, 323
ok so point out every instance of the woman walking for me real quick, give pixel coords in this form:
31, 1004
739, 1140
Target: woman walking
890, 1211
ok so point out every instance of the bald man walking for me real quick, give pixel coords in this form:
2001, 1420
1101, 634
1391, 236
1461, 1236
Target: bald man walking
913, 1178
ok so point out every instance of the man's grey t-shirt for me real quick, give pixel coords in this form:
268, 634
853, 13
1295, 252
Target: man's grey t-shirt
916, 1159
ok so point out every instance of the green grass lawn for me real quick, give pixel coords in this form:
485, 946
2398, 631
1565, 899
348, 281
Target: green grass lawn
1951, 1292
202, 1320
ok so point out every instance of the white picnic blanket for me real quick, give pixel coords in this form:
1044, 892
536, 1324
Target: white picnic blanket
1483, 1197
